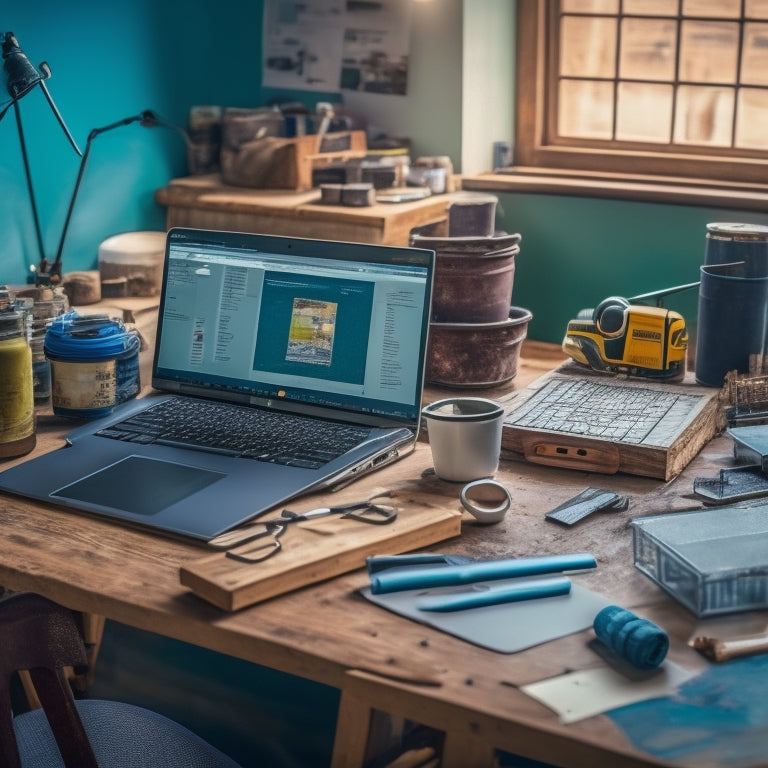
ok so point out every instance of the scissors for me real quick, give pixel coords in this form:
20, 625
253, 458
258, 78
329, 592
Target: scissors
371, 511
368, 511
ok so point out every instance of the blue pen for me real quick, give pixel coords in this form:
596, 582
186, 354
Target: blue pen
397, 579
528, 590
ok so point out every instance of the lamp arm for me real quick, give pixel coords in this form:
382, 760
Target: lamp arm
55, 269
58, 116
146, 118
30, 188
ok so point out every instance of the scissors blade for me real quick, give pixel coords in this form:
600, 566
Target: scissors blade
240, 535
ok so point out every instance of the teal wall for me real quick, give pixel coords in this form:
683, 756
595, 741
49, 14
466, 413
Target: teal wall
110, 61
113, 60
576, 251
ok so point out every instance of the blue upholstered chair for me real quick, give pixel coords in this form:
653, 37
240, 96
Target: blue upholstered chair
42, 637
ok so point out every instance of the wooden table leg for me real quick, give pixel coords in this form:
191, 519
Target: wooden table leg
364, 693
460, 751
352, 727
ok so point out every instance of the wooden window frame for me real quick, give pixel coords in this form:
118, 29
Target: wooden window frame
635, 171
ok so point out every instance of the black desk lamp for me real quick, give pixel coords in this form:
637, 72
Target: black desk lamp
48, 273
21, 77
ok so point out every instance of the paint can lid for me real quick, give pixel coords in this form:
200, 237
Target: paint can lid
737, 231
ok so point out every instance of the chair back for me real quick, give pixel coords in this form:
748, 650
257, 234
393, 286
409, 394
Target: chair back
43, 638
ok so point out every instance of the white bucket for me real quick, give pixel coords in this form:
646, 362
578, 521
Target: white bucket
136, 256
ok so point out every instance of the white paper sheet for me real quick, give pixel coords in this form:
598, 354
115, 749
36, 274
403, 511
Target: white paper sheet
578, 695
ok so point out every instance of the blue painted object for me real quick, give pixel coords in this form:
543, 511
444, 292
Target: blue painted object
94, 364
483, 594
396, 579
639, 641
719, 718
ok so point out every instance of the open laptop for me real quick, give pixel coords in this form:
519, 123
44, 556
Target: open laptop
320, 333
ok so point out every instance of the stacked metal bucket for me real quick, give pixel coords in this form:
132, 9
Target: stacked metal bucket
475, 332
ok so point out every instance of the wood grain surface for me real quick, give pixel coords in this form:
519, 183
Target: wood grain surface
329, 633
203, 202
316, 550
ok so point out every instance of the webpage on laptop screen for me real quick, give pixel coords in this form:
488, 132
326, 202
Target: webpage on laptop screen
316, 330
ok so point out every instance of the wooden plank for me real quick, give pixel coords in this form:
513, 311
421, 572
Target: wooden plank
316, 550
583, 432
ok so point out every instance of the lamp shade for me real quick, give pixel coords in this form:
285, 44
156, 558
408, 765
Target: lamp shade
20, 74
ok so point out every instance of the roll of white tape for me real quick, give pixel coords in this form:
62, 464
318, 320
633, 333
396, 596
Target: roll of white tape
486, 500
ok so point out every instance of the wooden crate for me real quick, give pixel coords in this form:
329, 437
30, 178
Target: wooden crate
274, 162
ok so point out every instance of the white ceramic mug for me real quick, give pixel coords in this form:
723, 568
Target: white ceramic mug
465, 437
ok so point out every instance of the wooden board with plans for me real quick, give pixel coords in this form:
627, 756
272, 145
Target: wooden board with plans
579, 419
315, 550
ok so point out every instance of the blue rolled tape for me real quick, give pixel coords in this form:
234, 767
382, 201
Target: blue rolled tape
639, 641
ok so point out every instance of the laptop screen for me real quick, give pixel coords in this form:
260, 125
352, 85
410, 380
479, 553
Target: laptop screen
293, 321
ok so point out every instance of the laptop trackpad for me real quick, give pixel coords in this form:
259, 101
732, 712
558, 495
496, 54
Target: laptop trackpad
139, 485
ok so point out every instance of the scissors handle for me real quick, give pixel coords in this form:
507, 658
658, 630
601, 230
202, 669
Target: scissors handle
374, 514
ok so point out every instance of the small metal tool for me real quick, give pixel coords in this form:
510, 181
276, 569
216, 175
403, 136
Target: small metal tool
588, 501
370, 511
367, 511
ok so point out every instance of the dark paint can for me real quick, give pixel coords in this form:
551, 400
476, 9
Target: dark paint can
732, 321
731, 242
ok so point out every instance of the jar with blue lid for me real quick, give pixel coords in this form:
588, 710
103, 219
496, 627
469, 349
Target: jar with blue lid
94, 364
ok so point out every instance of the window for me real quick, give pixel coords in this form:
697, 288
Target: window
669, 91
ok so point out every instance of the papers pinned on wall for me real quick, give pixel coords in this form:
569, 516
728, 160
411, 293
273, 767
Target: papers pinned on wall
332, 45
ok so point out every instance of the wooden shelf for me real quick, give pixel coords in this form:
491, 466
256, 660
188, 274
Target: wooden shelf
204, 202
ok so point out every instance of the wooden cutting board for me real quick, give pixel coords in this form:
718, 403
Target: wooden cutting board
319, 549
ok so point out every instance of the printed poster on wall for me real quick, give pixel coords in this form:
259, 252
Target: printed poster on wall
333, 45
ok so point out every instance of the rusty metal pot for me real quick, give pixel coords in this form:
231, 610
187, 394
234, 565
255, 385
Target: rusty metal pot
476, 354
474, 277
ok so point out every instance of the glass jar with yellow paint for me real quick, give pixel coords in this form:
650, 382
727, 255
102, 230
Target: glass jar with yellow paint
17, 404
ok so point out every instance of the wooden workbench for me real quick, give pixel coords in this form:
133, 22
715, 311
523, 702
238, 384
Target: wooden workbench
203, 202
328, 633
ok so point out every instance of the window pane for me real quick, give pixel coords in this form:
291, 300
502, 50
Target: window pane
756, 9
647, 49
730, 9
588, 47
651, 7
752, 120
704, 116
644, 112
590, 6
709, 51
754, 62
586, 109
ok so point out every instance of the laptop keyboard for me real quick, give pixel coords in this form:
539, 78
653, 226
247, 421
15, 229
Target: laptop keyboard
240, 431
